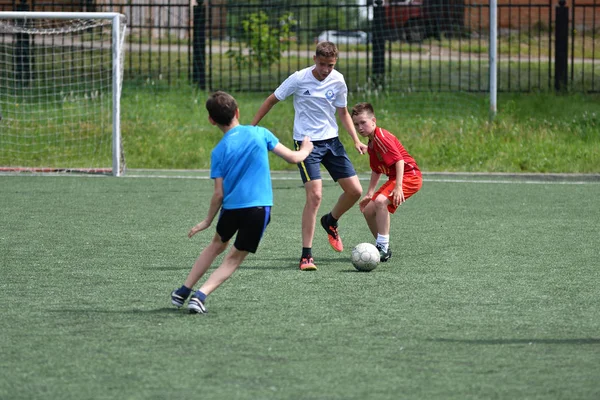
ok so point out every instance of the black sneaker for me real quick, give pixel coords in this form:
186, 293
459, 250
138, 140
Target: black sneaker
177, 299
196, 306
383, 255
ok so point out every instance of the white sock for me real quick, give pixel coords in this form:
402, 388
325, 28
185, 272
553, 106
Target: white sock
383, 241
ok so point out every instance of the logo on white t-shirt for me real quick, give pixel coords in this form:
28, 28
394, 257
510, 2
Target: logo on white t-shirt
329, 94
307, 93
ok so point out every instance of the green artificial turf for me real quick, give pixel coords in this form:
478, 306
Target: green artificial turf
491, 293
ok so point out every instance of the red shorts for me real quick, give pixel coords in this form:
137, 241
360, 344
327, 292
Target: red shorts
411, 183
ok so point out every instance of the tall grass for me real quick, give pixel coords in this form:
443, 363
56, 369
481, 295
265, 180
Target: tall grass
166, 127
531, 133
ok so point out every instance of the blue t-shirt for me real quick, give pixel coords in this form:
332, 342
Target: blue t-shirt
241, 158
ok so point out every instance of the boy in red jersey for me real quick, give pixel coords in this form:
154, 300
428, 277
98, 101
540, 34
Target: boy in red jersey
386, 156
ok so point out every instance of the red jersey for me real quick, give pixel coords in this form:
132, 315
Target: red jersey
385, 150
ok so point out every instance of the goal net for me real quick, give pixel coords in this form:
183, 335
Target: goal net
60, 86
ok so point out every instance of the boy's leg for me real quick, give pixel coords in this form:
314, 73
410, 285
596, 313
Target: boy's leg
339, 166
230, 263
369, 214
205, 260
201, 265
314, 194
252, 223
310, 172
351, 194
382, 219
382, 203
382, 215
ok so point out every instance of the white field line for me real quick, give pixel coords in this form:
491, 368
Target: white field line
425, 179
528, 179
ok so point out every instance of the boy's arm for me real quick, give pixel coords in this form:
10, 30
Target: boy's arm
291, 156
215, 205
373, 183
264, 108
347, 123
398, 193
370, 191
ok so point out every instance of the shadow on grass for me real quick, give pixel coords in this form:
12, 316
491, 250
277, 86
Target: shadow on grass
290, 263
519, 341
355, 271
157, 311
285, 264
174, 268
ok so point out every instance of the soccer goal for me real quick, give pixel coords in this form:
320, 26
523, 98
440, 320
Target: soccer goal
60, 87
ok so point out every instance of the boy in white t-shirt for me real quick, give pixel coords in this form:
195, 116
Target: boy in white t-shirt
319, 92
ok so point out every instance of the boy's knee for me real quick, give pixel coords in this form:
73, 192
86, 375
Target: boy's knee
355, 192
314, 198
218, 246
381, 202
368, 211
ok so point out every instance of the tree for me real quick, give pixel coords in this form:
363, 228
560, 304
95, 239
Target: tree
262, 44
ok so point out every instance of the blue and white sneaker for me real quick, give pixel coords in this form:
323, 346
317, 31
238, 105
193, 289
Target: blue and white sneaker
176, 299
196, 305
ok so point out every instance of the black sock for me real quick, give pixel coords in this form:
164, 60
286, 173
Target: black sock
184, 291
332, 221
200, 295
306, 252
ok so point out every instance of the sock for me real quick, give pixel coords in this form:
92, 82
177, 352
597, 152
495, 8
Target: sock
306, 252
383, 241
184, 291
200, 295
331, 221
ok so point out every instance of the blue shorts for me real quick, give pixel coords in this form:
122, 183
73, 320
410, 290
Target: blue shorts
332, 155
249, 223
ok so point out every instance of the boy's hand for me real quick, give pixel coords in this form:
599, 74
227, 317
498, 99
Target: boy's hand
307, 144
398, 196
199, 227
363, 203
361, 147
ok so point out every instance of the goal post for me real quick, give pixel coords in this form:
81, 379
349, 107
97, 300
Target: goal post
60, 91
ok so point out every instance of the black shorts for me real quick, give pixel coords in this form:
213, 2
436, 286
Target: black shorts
332, 155
249, 223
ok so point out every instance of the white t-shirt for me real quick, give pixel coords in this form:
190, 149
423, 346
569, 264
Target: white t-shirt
315, 102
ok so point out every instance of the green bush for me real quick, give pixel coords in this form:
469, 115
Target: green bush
261, 45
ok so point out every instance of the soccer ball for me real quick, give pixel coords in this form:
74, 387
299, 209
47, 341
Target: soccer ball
365, 257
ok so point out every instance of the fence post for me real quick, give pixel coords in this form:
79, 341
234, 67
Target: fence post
378, 43
561, 47
199, 45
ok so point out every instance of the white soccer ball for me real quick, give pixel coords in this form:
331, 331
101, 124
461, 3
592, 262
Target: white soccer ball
365, 257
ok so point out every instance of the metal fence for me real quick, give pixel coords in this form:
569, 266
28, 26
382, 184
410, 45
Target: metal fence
212, 45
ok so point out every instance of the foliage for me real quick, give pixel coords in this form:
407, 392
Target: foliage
261, 44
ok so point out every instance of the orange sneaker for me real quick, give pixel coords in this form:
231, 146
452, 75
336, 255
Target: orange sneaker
307, 264
332, 234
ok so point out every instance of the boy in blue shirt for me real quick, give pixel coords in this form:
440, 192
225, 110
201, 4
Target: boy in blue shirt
243, 193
